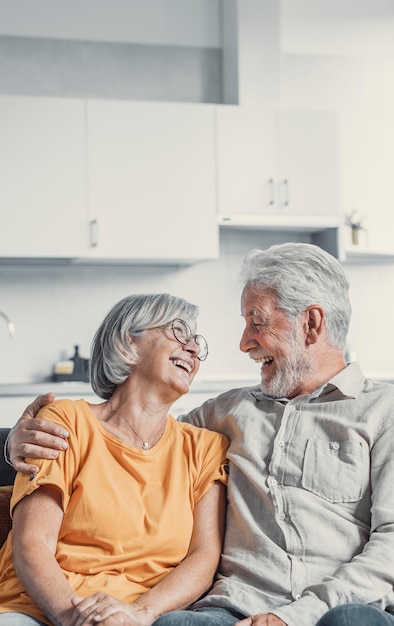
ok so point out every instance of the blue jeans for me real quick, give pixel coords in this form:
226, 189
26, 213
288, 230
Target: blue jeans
206, 616
356, 615
19, 619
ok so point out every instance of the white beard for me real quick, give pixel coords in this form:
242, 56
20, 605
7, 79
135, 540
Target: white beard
291, 372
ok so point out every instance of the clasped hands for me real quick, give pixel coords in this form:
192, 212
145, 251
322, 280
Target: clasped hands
105, 610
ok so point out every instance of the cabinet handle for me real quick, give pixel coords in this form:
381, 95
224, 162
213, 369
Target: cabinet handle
271, 183
286, 195
94, 233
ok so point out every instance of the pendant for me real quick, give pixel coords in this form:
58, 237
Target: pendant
145, 445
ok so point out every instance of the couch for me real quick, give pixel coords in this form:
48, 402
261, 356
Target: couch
7, 476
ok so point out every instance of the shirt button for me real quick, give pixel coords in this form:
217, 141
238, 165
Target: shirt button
335, 446
281, 444
297, 596
282, 516
292, 408
274, 482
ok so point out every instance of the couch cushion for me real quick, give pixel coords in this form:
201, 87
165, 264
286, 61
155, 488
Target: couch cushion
5, 520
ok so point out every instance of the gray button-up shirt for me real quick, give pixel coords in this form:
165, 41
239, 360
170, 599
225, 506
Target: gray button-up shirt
310, 517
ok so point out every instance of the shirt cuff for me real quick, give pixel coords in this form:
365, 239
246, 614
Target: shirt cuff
306, 610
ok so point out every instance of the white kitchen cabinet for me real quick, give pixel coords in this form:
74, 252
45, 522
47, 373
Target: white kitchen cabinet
151, 179
246, 161
278, 165
43, 185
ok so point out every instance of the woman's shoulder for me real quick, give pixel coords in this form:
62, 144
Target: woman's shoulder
65, 411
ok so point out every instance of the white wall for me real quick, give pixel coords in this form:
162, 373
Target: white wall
339, 27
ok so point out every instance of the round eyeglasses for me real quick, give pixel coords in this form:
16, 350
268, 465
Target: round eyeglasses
183, 334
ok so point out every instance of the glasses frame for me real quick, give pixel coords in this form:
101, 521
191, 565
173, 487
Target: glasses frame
190, 335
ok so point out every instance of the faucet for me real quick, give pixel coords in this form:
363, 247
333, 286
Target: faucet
10, 325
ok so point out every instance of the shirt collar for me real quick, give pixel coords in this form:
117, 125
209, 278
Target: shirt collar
349, 382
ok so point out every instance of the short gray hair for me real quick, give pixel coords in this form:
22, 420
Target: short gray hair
302, 274
112, 357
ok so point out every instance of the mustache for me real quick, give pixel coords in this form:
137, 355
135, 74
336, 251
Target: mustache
259, 354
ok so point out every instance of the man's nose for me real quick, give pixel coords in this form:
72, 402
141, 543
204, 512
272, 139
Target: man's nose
247, 341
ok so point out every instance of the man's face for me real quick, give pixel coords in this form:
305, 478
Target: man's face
277, 342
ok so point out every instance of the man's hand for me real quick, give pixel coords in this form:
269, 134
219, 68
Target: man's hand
35, 437
262, 619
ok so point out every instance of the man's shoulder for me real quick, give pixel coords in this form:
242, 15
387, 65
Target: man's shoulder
376, 384
233, 397
223, 405
198, 434
240, 391
379, 393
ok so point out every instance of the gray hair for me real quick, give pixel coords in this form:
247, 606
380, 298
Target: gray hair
112, 355
302, 274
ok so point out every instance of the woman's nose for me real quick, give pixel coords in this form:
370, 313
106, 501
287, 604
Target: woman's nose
192, 347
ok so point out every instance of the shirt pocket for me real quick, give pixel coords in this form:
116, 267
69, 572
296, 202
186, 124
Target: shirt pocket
337, 471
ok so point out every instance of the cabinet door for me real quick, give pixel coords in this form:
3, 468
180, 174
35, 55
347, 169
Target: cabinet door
308, 181
43, 185
276, 164
246, 160
377, 204
151, 181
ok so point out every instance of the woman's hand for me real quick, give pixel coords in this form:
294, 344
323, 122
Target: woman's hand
105, 610
35, 437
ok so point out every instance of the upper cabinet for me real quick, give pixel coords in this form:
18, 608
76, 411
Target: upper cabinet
107, 180
43, 186
277, 168
151, 181
246, 149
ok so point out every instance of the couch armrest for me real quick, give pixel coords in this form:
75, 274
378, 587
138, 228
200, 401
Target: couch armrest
5, 519
7, 473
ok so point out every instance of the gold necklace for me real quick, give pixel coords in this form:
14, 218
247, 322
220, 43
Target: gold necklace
145, 444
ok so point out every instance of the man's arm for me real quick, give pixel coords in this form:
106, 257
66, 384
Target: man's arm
35, 437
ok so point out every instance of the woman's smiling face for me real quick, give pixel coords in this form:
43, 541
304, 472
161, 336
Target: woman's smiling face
165, 363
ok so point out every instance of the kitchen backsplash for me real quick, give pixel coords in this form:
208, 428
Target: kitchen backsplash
55, 308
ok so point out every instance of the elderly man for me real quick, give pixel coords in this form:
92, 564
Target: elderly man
310, 518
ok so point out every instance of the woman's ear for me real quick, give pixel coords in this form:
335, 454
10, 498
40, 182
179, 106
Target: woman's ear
123, 351
314, 323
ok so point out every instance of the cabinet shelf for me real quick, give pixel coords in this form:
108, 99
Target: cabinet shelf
357, 255
276, 222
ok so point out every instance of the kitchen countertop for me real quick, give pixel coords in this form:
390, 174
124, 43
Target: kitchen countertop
210, 385
73, 388
38, 388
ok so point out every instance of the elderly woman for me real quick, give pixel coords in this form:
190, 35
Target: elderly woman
128, 524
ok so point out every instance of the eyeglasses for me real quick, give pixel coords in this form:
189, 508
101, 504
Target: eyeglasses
183, 334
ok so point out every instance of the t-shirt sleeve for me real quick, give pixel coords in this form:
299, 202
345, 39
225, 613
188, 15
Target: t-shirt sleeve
56, 472
214, 462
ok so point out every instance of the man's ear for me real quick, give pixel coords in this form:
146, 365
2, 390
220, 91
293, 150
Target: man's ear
314, 323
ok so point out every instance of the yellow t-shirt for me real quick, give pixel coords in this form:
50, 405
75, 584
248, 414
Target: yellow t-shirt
128, 513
